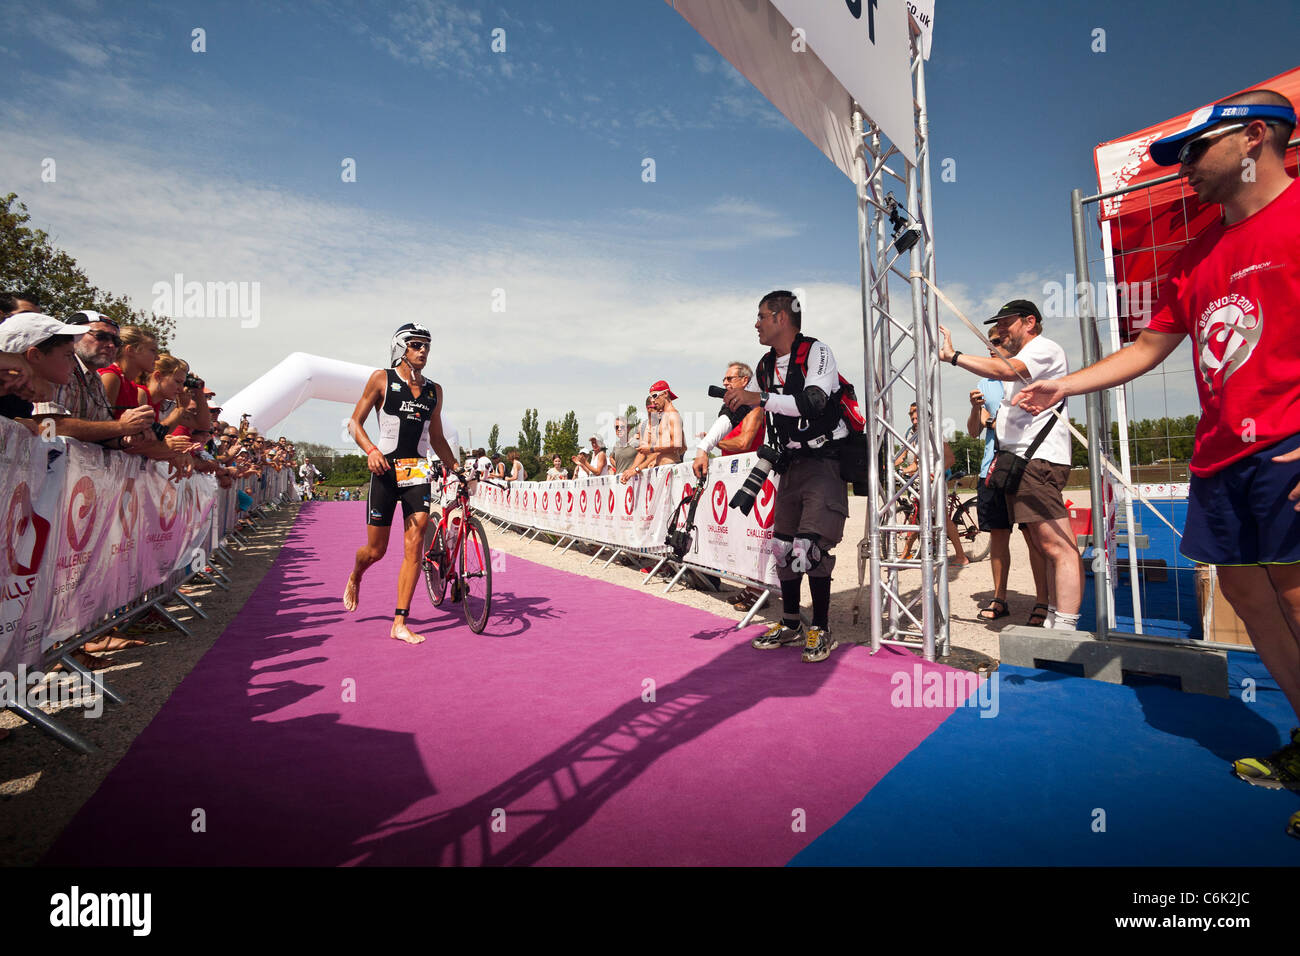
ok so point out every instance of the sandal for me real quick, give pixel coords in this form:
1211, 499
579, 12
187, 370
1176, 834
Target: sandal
990, 613
1041, 615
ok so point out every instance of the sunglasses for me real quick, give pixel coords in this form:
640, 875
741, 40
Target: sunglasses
1194, 149
419, 345
106, 337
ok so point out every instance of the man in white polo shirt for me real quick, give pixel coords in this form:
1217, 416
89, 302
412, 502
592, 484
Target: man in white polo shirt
1037, 502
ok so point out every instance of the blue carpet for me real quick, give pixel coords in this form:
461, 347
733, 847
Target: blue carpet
1023, 788
1169, 608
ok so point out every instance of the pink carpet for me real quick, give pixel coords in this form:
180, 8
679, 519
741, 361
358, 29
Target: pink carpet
528, 744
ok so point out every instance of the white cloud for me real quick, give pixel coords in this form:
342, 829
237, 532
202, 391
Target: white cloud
593, 315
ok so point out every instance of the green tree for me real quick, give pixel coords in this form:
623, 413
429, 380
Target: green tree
494, 440
562, 439
530, 436
967, 451
28, 261
632, 421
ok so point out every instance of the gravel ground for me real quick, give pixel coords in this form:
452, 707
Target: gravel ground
43, 784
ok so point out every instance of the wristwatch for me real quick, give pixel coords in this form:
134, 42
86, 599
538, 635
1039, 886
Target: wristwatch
953, 360
762, 399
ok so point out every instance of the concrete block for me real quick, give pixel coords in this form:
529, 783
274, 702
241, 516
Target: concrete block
1199, 670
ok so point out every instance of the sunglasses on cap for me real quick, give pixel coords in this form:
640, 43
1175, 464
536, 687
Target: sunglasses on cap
81, 318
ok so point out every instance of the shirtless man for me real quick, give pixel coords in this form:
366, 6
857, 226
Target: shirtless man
408, 408
665, 444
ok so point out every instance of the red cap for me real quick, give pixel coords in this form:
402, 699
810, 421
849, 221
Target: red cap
662, 386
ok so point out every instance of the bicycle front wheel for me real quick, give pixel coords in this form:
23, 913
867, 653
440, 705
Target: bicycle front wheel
433, 582
973, 541
476, 576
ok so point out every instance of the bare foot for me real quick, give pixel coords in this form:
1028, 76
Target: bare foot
351, 593
404, 633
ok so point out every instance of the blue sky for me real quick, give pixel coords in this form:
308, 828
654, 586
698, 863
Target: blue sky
522, 171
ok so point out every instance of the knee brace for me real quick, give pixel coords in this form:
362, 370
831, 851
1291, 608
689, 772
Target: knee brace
824, 567
805, 554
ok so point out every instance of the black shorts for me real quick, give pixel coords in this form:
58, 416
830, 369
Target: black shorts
991, 506
384, 496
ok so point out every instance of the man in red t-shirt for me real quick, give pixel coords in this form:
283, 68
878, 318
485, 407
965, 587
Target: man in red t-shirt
1236, 290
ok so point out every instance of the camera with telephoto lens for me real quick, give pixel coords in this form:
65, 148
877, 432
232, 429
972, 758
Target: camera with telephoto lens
768, 458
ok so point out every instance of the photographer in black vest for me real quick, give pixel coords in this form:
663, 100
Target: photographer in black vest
800, 392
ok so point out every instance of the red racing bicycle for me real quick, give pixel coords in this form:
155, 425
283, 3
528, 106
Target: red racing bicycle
457, 562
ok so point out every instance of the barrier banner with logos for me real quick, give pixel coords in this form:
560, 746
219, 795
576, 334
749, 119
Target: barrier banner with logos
87, 531
91, 563
30, 483
635, 516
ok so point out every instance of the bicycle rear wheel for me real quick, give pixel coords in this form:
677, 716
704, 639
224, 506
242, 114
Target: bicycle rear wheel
973, 541
433, 582
476, 576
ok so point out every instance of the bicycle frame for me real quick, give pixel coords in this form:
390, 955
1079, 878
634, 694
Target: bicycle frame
464, 512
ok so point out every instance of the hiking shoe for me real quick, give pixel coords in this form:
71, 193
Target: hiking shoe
778, 635
819, 645
1280, 770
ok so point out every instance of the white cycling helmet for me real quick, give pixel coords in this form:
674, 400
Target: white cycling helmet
402, 337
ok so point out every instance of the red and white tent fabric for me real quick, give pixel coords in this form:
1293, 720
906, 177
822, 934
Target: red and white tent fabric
1148, 227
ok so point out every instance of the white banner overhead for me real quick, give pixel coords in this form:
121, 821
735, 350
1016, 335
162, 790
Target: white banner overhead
922, 12
812, 59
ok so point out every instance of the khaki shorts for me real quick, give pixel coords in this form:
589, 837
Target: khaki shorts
1039, 497
812, 499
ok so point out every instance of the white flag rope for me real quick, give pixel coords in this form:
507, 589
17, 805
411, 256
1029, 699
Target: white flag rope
1115, 472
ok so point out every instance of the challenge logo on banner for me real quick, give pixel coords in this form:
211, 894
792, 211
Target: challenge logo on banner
80, 592
30, 481
161, 535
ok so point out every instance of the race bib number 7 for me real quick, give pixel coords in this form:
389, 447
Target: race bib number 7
412, 471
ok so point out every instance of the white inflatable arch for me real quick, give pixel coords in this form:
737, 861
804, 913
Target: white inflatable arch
299, 378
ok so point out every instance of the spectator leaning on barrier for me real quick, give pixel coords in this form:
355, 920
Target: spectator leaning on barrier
662, 442
515, 469
79, 408
46, 345
806, 429
1236, 289
624, 451
1041, 439
592, 463
736, 430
